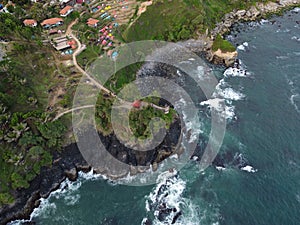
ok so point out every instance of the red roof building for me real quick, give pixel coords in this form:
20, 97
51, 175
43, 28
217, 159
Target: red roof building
52, 22
92, 22
66, 11
72, 42
30, 23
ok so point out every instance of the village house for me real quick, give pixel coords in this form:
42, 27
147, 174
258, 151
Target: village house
52, 22
61, 43
92, 22
66, 11
30, 23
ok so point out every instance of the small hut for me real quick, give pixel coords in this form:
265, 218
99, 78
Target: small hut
137, 104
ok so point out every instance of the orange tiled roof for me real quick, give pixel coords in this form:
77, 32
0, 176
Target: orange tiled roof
65, 10
92, 21
29, 22
51, 21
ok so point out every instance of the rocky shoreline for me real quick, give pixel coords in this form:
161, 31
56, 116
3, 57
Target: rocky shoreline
259, 11
69, 162
65, 164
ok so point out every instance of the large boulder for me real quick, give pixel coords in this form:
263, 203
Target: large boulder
71, 174
223, 58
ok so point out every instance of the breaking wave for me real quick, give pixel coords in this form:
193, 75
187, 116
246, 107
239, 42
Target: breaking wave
167, 204
68, 191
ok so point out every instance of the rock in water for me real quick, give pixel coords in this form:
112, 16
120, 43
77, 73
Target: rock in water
71, 174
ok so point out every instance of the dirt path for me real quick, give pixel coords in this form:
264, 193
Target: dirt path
72, 110
80, 48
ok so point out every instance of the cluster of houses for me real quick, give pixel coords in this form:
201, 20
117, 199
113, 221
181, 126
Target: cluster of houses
54, 22
105, 32
63, 43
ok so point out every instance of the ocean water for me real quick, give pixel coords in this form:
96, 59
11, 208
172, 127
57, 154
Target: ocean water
256, 179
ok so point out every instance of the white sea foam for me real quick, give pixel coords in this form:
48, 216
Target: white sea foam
220, 168
227, 111
226, 94
295, 38
296, 10
235, 72
213, 103
298, 197
243, 47
68, 191
230, 94
190, 123
292, 99
263, 21
282, 57
223, 90
297, 53
168, 194
249, 169
283, 31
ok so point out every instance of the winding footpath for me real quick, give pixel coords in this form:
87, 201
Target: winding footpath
77, 52
80, 48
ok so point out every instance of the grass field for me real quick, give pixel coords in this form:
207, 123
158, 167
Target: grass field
178, 20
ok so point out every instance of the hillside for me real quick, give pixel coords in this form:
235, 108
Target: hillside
179, 20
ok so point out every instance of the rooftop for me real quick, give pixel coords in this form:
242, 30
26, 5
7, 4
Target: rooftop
51, 21
29, 22
66, 9
92, 21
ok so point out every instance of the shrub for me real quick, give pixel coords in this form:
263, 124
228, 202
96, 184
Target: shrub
6, 198
223, 45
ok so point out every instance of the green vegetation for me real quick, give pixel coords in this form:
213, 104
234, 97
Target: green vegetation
179, 20
170, 20
103, 113
139, 120
89, 55
123, 77
12, 28
223, 45
105, 102
26, 75
27, 141
28, 138
30, 73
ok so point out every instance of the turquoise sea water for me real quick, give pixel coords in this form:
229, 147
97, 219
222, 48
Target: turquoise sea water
258, 181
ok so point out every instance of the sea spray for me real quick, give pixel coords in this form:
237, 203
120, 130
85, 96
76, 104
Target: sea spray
167, 204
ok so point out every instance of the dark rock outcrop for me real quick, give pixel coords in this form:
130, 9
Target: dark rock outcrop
47, 181
69, 162
256, 12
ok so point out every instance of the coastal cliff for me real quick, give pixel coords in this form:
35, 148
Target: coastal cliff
260, 10
71, 161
